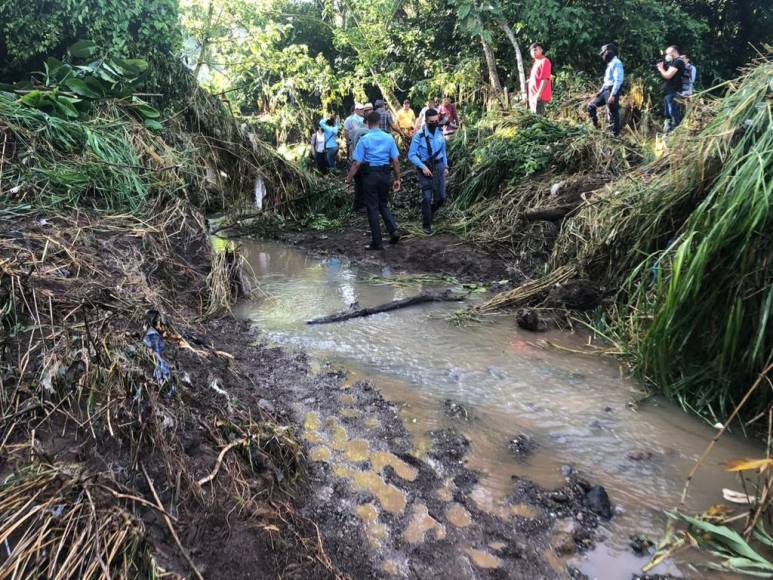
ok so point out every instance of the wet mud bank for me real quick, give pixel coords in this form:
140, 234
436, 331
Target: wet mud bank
384, 512
438, 254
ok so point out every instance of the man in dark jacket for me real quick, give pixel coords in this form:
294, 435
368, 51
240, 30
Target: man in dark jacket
672, 69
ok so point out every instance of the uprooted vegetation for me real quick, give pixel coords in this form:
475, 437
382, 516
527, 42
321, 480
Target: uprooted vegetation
686, 241
133, 443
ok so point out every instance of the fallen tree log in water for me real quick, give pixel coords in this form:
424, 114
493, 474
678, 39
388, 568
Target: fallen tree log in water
447, 296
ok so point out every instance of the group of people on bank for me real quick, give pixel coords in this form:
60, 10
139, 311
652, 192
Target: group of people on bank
375, 156
677, 72
373, 151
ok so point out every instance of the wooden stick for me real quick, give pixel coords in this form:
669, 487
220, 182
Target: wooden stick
389, 306
732, 416
219, 461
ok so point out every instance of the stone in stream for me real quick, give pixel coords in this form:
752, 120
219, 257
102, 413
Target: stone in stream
521, 446
641, 455
597, 500
563, 544
456, 410
528, 319
641, 544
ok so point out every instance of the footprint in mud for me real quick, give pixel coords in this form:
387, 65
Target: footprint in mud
420, 524
392, 498
375, 531
483, 558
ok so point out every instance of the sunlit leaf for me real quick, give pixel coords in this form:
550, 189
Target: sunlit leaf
748, 464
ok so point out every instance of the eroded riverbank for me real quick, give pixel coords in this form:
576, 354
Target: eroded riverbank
490, 385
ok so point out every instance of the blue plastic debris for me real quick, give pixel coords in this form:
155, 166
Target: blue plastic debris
155, 343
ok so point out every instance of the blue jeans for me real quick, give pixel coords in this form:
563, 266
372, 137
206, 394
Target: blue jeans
331, 154
672, 111
433, 192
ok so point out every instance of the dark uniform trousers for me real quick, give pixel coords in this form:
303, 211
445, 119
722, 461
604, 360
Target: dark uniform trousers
358, 203
433, 191
613, 110
376, 183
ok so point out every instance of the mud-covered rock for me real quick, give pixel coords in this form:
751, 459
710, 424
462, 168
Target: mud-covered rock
597, 501
528, 319
521, 446
456, 410
576, 295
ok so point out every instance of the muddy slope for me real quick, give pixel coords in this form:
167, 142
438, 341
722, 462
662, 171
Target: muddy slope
193, 474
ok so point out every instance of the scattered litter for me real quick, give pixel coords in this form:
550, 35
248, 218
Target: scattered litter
155, 343
738, 497
58, 510
215, 386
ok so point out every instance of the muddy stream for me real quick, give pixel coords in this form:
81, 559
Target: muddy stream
494, 382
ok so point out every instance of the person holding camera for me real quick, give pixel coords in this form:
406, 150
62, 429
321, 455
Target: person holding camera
672, 69
609, 94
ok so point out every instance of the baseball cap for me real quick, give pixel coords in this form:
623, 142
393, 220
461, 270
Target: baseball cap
379, 103
608, 47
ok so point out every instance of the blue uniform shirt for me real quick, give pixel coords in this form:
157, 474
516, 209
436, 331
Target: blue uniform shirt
377, 148
418, 154
613, 76
331, 134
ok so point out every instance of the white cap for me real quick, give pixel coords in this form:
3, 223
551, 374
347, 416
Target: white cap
359, 106
367, 106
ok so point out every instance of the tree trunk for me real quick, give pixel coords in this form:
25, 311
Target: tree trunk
204, 41
491, 63
389, 97
518, 56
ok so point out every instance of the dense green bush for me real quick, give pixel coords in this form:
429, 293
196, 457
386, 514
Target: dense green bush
31, 31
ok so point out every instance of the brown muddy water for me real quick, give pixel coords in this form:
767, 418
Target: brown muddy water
577, 409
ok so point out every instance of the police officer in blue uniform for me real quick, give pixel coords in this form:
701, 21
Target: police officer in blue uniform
428, 154
375, 156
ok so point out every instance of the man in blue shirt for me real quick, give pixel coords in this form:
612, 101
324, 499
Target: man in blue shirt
428, 154
609, 94
375, 154
355, 136
354, 120
330, 127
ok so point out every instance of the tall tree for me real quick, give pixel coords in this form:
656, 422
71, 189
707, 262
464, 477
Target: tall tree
471, 18
518, 56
